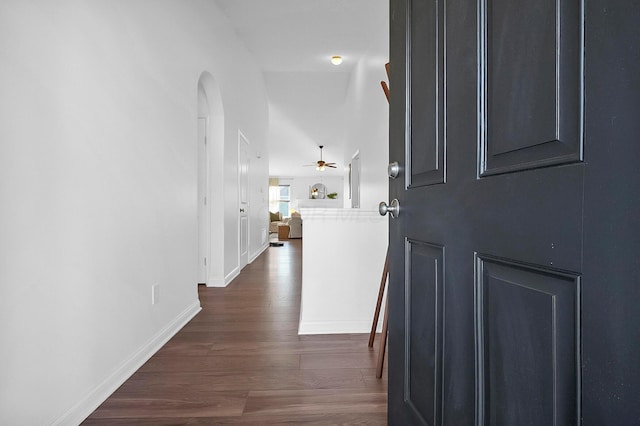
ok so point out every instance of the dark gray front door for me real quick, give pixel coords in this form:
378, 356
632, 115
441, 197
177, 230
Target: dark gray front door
514, 271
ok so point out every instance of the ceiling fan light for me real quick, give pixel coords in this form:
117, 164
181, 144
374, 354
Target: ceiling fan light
320, 168
336, 60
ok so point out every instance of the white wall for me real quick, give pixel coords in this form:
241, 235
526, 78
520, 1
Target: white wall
300, 190
258, 192
367, 113
344, 254
98, 127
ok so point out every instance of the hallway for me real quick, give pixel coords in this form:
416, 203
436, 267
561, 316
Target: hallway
241, 361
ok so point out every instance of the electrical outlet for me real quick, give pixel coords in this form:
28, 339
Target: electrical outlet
155, 294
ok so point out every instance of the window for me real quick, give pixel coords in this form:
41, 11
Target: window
279, 199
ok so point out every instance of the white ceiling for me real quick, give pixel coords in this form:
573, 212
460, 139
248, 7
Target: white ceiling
293, 41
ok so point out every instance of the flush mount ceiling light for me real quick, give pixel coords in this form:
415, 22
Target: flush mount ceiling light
336, 60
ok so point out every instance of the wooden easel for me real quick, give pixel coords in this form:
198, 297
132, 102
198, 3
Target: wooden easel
376, 315
383, 282
385, 86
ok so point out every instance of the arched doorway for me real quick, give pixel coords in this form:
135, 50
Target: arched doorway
210, 182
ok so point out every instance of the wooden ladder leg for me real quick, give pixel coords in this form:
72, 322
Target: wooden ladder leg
383, 282
383, 340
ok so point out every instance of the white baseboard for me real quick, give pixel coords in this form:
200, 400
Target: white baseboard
79, 412
234, 273
335, 327
260, 251
216, 283
231, 275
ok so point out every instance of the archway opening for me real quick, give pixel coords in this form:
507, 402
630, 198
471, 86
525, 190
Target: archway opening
210, 181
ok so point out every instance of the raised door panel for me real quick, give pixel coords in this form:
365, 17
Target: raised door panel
244, 236
531, 84
423, 334
426, 93
527, 344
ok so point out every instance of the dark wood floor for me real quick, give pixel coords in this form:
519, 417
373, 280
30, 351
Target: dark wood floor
241, 361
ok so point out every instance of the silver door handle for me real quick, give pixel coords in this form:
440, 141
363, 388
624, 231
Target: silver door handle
393, 170
393, 209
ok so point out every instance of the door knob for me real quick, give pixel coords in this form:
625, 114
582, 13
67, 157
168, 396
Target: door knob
393, 208
241, 210
393, 170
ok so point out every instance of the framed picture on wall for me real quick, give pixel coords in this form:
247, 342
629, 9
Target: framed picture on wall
349, 174
318, 191
355, 180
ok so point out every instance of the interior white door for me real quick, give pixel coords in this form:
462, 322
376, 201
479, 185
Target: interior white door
203, 217
243, 197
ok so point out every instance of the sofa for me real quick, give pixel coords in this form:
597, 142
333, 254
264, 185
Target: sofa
276, 219
295, 225
294, 222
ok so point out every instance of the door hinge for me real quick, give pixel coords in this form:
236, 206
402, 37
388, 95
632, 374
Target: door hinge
205, 201
205, 140
205, 261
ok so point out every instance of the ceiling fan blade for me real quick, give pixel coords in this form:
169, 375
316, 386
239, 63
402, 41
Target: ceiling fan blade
321, 164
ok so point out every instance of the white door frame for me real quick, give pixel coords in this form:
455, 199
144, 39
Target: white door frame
204, 228
243, 200
210, 106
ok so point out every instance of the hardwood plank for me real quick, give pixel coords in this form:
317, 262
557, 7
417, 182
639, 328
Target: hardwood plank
373, 419
142, 421
295, 403
222, 363
338, 360
291, 347
372, 382
177, 348
248, 311
324, 419
173, 404
220, 326
240, 361
246, 380
238, 337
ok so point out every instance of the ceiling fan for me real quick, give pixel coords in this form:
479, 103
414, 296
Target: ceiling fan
321, 164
